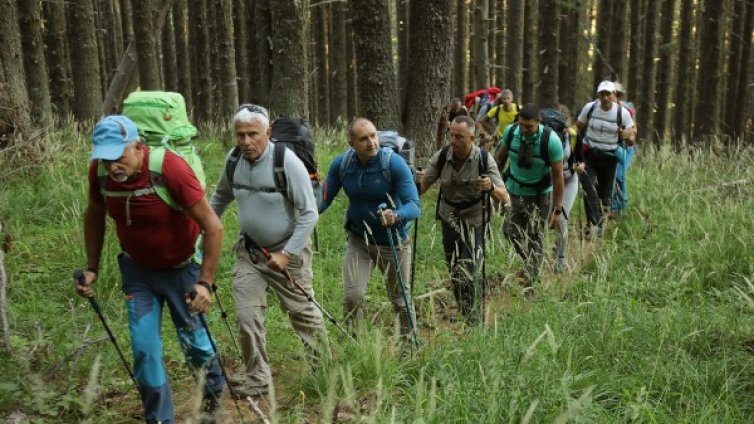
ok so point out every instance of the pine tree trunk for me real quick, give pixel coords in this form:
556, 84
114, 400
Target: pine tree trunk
127, 19
374, 65
352, 101
460, 49
733, 72
339, 63
500, 70
201, 80
600, 64
87, 85
11, 60
56, 57
515, 46
289, 77
102, 39
665, 69
618, 39
684, 88
744, 109
183, 65
169, 59
112, 36
34, 62
241, 38
428, 77
492, 42
530, 74
481, 43
569, 53
319, 62
227, 52
402, 21
645, 109
262, 57
708, 107
636, 47
146, 45
549, 26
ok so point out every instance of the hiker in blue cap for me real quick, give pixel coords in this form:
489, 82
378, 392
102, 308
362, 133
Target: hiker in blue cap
157, 262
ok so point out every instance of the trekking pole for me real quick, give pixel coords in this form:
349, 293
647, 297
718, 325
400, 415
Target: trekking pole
316, 240
485, 217
78, 275
225, 318
252, 403
397, 266
413, 253
309, 297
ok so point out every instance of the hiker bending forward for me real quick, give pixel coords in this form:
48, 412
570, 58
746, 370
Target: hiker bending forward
157, 263
465, 172
279, 222
535, 181
370, 175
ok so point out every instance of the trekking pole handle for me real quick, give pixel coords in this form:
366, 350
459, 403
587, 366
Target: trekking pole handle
382, 207
80, 278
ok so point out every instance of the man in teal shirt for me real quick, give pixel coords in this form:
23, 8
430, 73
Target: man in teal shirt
535, 183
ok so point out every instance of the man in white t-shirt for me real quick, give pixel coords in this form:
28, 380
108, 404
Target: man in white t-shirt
603, 124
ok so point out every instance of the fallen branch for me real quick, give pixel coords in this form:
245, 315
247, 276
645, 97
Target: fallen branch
722, 185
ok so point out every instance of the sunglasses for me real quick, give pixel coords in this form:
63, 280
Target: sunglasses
253, 109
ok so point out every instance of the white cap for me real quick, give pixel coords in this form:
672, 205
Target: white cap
619, 88
606, 86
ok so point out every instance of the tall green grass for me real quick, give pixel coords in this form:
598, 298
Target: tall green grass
653, 324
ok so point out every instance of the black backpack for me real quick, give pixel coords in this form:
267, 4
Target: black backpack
544, 153
556, 120
290, 133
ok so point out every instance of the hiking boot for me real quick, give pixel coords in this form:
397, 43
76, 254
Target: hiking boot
244, 391
210, 412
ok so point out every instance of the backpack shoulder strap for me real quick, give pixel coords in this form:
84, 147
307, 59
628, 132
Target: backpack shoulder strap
278, 168
544, 144
591, 112
231, 163
619, 120
442, 159
156, 161
386, 155
346, 163
483, 154
509, 137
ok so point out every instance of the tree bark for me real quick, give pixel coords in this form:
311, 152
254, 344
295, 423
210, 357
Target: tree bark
515, 46
13, 66
374, 65
319, 63
289, 78
600, 65
241, 38
492, 42
124, 75
56, 57
199, 54
569, 53
262, 57
500, 70
735, 47
428, 77
351, 83
183, 66
481, 43
530, 74
665, 69
227, 52
636, 46
460, 49
743, 111
87, 85
646, 107
402, 10
169, 55
549, 25
618, 40
339, 63
112, 37
146, 46
686, 58
34, 62
708, 107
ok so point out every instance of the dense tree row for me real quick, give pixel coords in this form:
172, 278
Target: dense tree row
686, 64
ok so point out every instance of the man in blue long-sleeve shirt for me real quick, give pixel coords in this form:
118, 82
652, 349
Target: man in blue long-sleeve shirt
370, 176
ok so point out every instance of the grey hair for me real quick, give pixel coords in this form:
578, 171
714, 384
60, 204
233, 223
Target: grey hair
248, 115
463, 119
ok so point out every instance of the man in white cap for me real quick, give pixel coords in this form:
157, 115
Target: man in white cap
602, 124
157, 262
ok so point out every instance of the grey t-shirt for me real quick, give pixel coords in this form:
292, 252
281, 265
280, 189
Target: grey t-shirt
602, 129
273, 220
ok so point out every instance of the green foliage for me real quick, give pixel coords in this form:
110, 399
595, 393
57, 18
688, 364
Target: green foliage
654, 324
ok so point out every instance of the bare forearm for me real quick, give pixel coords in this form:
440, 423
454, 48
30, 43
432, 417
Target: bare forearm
213, 238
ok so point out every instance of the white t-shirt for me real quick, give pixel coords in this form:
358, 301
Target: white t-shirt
602, 129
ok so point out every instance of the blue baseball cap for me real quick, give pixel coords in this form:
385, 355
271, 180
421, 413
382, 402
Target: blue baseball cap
111, 135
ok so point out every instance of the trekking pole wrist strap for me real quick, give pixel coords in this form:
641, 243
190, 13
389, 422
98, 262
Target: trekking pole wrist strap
206, 285
93, 270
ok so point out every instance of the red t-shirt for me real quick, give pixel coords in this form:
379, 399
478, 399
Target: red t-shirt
159, 236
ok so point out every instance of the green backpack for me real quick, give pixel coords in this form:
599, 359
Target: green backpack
163, 123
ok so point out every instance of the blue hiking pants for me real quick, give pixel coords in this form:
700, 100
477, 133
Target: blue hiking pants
620, 196
147, 291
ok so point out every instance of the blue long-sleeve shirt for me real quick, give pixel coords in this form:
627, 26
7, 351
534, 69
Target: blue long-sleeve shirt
366, 187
